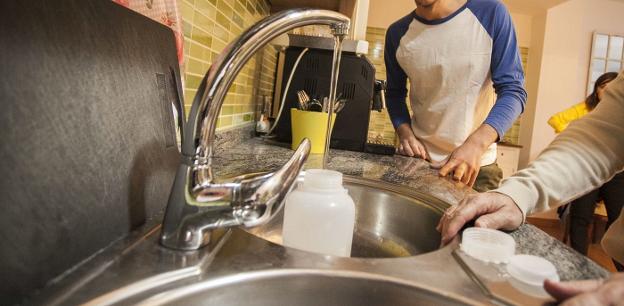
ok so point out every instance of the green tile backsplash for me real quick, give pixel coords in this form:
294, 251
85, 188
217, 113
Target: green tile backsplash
208, 26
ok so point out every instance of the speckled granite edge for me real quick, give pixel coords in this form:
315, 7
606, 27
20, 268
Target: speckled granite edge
570, 264
250, 155
234, 136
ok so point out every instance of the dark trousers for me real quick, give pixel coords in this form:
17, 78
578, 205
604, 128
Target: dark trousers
489, 178
582, 211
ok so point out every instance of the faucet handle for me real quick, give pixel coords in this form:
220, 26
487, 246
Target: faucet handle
268, 198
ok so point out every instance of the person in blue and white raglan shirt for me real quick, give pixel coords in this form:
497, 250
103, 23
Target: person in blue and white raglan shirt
452, 52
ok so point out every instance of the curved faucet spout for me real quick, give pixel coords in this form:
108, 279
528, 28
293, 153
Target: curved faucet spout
198, 202
204, 113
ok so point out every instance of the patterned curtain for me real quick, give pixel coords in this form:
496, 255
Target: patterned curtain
163, 11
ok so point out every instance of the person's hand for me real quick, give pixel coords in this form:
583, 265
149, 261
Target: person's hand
409, 144
588, 292
465, 161
464, 164
492, 210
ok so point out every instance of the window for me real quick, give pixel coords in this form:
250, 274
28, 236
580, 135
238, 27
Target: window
606, 56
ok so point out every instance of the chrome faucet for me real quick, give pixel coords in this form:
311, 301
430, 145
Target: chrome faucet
199, 203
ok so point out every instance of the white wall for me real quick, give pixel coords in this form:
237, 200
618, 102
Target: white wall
359, 19
565, 61
532, 73
382, 13
523, 24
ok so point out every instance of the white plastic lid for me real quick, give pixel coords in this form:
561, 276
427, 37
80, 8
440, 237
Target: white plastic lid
322, 179
488, 245
532, 269
529, 272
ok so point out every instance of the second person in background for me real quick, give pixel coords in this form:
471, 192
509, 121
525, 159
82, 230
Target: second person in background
452, 52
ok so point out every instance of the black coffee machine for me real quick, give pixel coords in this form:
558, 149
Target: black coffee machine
356, 84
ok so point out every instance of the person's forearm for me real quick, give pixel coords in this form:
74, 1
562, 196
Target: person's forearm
584, 156
397, 110
404, 129
506, 110
483, 137
396, 90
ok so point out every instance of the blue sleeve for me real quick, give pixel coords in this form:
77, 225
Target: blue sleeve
396, 90
505, 68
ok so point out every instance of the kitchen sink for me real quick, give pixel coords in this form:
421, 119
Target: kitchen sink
302, 288
248, 267
391, 221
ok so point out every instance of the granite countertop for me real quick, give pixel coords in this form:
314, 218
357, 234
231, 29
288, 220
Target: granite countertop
237, 154
256, 155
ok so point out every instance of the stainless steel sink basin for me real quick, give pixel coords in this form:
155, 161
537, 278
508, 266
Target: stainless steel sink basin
247, 269
391, 221
302, 288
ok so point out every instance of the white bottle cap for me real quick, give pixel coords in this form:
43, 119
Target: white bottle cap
488, 245
529, 272
322, 179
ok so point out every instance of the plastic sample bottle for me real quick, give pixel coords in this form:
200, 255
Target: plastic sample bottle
319, 215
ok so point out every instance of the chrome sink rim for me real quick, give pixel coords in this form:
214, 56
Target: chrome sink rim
436, 203
233, 279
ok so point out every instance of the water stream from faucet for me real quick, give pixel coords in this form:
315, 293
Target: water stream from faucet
335, 69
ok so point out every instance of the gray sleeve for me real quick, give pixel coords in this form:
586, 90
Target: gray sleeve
584, 156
